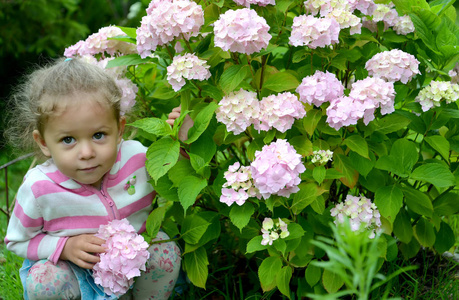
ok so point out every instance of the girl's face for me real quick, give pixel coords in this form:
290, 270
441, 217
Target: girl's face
82, 138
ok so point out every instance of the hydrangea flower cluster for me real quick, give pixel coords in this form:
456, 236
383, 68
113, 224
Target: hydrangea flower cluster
242, 31
319, 88
238, 110
437, 91
167, 20
314, 32
374, 93
272, 230
279, 111
238, 186
247, 3
360, 211
454, 74
321, 156
126, 255
276, 169
99, 43
393, 65
345, 111
187, 66
386, 12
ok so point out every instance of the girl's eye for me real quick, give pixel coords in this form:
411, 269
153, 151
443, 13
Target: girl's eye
99, 135
68, 140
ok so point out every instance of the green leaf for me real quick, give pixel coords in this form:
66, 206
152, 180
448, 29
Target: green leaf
402, 227
445, 238
267, 272
130, 31
389, 200
357, 144
440, 144
418, 202
434, 173
446, 205
361, 164
313, 274
154, 126
425, 233
283, 280
344, 166
240, 215
332, 282
319, 174
255, 244
410, 249
406, 6
161, 156
406, 153
391, 123
189, 189
311, 120
232, 77
181, 170
201, 122
214, 229
165, 188
193, 228
196, 263
281, 82
306, 195
155, 219
127, 60
302, 145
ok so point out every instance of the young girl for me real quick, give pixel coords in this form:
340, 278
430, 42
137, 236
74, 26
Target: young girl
71, 111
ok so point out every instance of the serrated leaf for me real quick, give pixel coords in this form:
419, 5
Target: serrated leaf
154, 126
447, 205
240, 215
201, 122
281, 82
425, 233
440, 144
232, 77
332, 282
305, 196
434, 173
418, 202
445, 238
127, 60
402, 227
196, 264
391, 123
267, 271
189, 189
283, 280
154, 220
311, 120
319, 174
161, 156
389, 200
357, 144
344, 166
193, 228
313, 274
165, 188
255, 244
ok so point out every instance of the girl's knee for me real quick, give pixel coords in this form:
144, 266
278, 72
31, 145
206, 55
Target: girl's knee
164, 256
48, 281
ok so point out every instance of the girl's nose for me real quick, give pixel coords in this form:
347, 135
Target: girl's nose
86, 150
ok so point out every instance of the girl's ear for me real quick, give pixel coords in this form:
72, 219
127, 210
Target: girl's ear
41, 143
121, 128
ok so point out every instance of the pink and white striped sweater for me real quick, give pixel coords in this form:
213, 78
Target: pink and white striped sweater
50, 207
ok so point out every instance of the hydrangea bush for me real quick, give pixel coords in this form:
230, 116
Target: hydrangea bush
305, 113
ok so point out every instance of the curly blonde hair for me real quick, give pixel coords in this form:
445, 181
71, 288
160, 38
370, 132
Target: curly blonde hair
41, 92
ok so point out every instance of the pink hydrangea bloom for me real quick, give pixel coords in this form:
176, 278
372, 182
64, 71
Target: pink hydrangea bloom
314, 32
241, 31
167, 20
125, 257
436, 92
454, 74
187, 66
319, 88
361, 212
238, 110
393, 65
403, 25
99, 43
279, 111
324, 7
345, 111
365, 6
346, 19
374, 92
129, 93
238, 186
276, 169
247, 3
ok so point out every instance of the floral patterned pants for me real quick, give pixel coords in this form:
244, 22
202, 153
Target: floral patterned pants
48, 281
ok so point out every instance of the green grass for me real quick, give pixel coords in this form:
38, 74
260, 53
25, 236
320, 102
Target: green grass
10, 283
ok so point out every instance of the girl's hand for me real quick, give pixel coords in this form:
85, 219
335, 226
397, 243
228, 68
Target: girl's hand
81, 250
187, 123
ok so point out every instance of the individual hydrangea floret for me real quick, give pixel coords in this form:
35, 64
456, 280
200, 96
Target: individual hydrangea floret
393, 65
454, 74
321, 156
247, 3
403, 25
242, 31
276, 169
238, 186
361, 212
238, 110
314, 32
345, 111
374, 93
167, 20
99, 42
187, 66
319, 88
279, 111
125, 257
272, 230
437, 92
